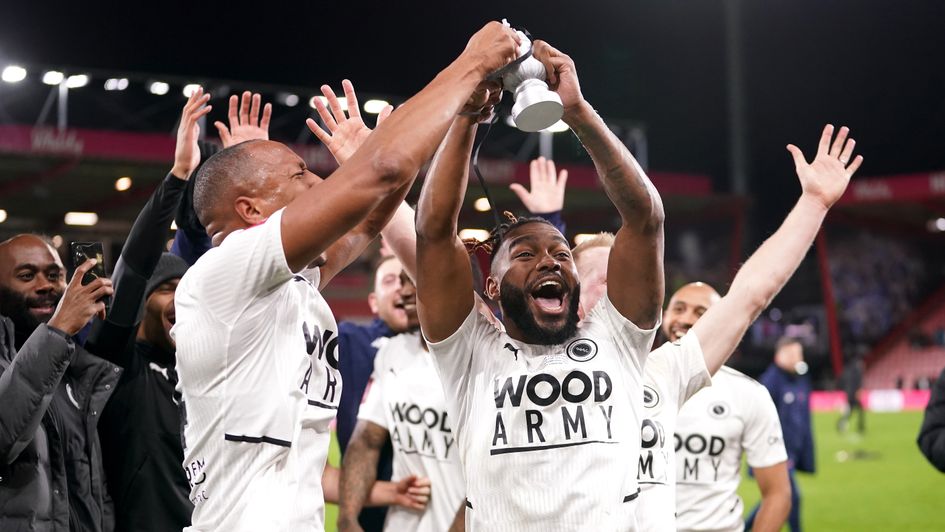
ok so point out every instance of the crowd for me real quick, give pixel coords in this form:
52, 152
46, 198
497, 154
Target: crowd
526, 397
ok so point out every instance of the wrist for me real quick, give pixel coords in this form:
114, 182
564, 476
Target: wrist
60, 328
579, 113
813, 202
180, 172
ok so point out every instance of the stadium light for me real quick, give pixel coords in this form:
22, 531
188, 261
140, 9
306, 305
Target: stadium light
159, 88
189, 89
481, 204
173, 225
57, 241
375, 107
287, 99
122, 184
557, 127
76, 81
53, 77
116, 84
474, 234
13, 74
3, 216
937, 225
81, 218
343, 102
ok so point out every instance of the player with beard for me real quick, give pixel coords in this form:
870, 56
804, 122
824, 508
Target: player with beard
546, 413
404, 403
704, 329
256, 341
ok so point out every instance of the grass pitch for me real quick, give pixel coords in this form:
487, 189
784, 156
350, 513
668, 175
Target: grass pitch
876, 482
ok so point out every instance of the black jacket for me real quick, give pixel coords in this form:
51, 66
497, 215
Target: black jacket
932, 433
34, 470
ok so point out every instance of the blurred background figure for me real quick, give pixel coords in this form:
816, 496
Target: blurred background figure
852, 381
932, 434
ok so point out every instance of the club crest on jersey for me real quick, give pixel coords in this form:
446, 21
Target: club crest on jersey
650, 397
718, 410
582, 350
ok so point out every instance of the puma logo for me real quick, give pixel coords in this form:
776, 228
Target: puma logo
513, 349
159, 369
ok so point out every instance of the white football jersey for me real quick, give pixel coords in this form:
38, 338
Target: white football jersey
406, 398
257, 356
735, 415
674, 373
549, 435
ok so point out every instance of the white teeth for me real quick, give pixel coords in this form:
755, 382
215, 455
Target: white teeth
549, 283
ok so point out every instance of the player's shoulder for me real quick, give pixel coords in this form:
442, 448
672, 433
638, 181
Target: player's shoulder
734, 378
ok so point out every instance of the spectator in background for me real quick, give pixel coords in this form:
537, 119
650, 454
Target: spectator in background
140, 428
51, 394
932, 434
852, 381
787, 382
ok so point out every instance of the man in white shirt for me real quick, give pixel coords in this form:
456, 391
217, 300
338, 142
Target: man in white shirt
406, 404
257, 344
702, 450
546, 413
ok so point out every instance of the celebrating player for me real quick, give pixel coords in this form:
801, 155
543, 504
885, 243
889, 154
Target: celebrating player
547, 413
257, 344
735, 414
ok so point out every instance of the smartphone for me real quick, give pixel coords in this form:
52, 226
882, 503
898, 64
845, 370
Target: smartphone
83, 251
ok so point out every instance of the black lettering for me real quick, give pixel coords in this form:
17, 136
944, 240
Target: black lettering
414, 419
678, 442
310, 344
397, 412
533, 421
444, 426
331, 349
716, 462
435, 420
600, 376
306, 379
566, 387
427, 442
646, 465
515, 396
330, 387
700, 440
690, 470
448, 441
607, 413
499, 430
395, 436
572, 424
716, 446
410, 443
533, 384
652, 433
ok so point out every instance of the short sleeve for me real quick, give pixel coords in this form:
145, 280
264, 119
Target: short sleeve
762, 439
248, 263
682, 366
454, 355
372, 409
632, 340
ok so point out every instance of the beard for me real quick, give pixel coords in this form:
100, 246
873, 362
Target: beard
16, 306
516, 308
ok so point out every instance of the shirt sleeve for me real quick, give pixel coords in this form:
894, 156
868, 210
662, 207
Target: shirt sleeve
248, 264
372, 407
633, 341
454, 355
762, 439
685, 366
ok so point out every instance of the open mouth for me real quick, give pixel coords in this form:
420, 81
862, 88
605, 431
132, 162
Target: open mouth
549, 296
678, 332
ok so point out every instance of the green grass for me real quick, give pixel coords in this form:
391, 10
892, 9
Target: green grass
879, 482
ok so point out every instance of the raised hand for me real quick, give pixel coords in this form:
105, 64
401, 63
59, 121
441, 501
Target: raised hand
562, 75
186, 153
482, 101
345, 133
826, 178
547, 187
413, 492
245, 123
492, 47
79, 303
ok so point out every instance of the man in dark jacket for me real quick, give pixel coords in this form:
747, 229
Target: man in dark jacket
51, 395
932, 433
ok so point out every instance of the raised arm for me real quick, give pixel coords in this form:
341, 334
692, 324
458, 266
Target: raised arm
445, 294
146, 240
763, 275
392, 155
635, 282
545, 195
775, 487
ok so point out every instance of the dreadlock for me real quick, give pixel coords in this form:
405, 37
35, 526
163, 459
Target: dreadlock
492, 244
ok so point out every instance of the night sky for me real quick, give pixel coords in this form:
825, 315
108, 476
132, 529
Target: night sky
877, 66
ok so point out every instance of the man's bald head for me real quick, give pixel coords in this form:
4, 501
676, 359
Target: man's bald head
241, 186
686, 306
32, 280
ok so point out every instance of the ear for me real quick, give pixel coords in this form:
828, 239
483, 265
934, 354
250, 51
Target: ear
372, 302
248, 210
492, 288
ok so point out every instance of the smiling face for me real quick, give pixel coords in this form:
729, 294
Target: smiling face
408, 296
32, 280
536, 284
387, 300
159, 316
687, 305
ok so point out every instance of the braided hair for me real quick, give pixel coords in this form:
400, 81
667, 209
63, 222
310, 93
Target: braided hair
493, 243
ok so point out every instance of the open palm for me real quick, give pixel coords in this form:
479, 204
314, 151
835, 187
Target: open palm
827, 176
345, 132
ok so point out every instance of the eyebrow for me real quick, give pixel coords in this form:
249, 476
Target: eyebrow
31, 266
532, 237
